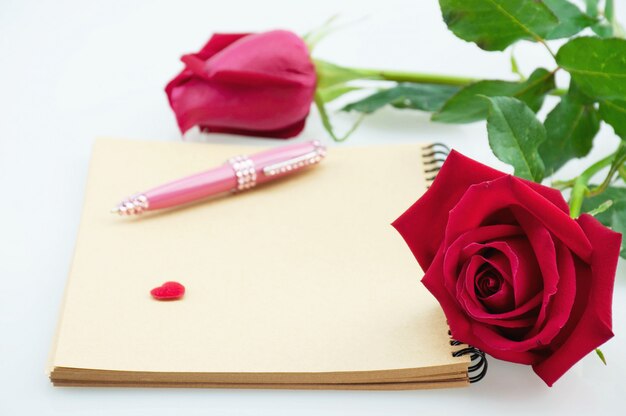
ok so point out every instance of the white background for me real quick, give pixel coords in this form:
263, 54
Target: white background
74, 70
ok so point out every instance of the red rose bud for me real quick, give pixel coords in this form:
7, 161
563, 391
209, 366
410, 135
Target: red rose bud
515, 275
253, 84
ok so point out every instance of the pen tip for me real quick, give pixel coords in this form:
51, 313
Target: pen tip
133, 205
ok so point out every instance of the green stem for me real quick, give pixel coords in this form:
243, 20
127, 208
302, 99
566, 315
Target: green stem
580, 189
615, 166
622, 172
561, 185
422, 78
321, 108
543, 42
577, 197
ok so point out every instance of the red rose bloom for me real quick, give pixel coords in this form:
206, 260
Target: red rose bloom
253, 84
515, 275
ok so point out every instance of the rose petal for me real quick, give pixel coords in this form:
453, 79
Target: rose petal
454, 254
557, 311
591, 315
523, 315
276, 56
477, 308
499, 301
194, 104
545, 253
516, 318
261, 84
429, 215
509, 193
478, 203
461, 325
558, 314
526, 276
516, 262
488, 283
218, 42
540, 335
282, 133
497, 259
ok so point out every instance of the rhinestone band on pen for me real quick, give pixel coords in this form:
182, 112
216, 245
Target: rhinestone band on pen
245, 171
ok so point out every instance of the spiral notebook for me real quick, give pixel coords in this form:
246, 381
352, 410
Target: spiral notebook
301, 283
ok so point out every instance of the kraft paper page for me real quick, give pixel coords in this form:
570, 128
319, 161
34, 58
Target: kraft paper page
305, 275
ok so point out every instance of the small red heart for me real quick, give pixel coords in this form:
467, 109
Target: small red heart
168, 291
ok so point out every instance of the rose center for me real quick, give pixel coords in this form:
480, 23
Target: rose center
488, 282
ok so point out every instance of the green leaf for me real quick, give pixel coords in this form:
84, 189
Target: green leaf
597, 65
426, 97
570, 129
571, 19
515, 135
601, 355
575, 92
614, 216
329, 75
515, 67
495, 24
467, 105
603, 29
601, 208
607, 27
614, 113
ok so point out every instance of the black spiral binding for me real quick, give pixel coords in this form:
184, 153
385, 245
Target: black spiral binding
478, 365
433, 157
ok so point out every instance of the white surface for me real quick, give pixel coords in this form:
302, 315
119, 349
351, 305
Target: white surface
71, 71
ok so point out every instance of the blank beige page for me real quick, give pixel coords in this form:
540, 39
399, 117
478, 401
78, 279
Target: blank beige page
302, 275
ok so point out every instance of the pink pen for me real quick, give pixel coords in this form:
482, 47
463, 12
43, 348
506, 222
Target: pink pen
237, 174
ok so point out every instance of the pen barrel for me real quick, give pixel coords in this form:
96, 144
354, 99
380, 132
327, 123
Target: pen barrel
237, 174
192, 188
